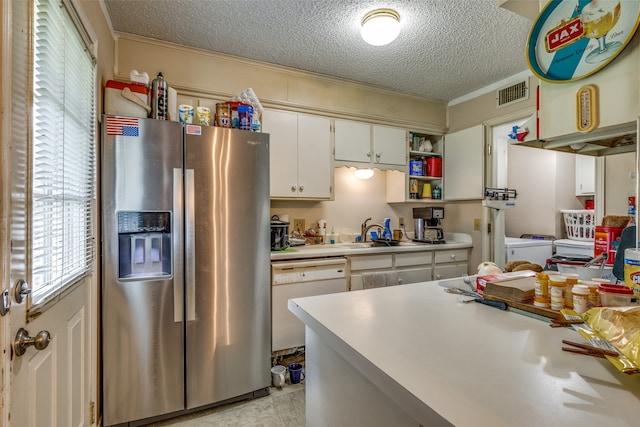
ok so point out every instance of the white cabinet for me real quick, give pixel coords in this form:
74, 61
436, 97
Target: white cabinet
464, 164
361, 144
450, 263
299, 154
585, 175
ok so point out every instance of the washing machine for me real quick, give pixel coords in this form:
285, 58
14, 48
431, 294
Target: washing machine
537, 251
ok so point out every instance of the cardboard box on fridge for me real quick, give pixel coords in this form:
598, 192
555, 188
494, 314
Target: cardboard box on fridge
117, 105
481, 281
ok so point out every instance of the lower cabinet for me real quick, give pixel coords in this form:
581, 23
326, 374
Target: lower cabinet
409, 267
450, 263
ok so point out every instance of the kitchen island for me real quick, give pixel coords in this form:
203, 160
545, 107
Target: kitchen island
413, 355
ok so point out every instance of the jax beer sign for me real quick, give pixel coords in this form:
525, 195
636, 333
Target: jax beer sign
573, 39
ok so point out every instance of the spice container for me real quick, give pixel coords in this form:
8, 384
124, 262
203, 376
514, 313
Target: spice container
615, 295
542, 297
580, 298
556, 291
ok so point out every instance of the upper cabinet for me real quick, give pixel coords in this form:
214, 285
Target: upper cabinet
300, 155
464, 164
364, 145
585, 175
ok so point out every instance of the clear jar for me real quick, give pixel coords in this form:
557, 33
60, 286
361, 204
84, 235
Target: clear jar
557, 285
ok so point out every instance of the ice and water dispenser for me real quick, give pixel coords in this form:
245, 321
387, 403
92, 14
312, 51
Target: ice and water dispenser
144, 244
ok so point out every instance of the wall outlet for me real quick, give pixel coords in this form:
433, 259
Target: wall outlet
476, 224
298, 225
401, 222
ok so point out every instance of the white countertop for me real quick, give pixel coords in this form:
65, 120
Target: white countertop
472, 364
453, 241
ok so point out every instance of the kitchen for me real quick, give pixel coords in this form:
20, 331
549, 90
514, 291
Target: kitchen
189, 71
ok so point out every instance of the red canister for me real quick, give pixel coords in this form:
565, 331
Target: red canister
434, 166
604, 240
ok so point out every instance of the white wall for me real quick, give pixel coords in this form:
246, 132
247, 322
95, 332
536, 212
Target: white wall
619, 182
545, 181
355, 200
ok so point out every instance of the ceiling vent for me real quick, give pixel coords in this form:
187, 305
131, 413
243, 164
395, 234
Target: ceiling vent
511, 94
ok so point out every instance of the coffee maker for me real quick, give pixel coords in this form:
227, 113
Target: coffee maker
426, 223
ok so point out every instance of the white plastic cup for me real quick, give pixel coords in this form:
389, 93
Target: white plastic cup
277, 375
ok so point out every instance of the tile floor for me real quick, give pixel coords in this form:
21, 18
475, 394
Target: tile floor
282, 408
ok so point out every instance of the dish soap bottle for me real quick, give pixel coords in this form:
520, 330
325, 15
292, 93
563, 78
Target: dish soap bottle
386, 233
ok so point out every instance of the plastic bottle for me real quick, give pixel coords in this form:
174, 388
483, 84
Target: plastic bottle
580, 298
159, 98
386, 233
571, 281
556, 291
542, 298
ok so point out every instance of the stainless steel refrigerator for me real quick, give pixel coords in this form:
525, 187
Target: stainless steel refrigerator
186, 288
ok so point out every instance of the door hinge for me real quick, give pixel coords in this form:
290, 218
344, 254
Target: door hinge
489, 228
92, 413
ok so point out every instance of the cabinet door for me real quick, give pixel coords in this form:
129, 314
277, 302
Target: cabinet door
314, 157
585, 175
282, 127
352, 141
389, 145
464, 164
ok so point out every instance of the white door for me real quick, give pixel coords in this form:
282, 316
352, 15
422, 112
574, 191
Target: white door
282, 127
352, 141
50, 380
314, 156
464, 164
390, 145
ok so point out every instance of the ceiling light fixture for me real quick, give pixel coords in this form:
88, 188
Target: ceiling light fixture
363, 173
380, 26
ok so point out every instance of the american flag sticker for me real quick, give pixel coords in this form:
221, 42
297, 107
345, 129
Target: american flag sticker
122, 126
194, 130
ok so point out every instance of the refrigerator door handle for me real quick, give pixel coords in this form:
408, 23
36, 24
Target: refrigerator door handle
178, 257
190, 263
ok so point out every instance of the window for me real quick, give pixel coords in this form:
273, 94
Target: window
62, 189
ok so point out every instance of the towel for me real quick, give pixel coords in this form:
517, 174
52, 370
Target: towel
379, 279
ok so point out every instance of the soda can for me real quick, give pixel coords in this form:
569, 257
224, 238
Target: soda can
203, 116
185, 113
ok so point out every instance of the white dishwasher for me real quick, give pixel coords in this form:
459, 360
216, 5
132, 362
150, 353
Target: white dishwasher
295, 279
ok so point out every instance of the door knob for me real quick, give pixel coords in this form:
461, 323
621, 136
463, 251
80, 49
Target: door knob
21, 290
23, 341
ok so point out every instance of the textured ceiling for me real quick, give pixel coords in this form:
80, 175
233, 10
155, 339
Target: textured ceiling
446, 48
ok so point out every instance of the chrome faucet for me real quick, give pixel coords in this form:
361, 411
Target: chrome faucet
364, 229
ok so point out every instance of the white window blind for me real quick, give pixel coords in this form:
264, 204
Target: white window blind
63, 154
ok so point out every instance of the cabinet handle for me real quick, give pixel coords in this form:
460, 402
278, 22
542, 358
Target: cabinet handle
453, 256
369, 154
301, 188
378, 157
293, 188
438, 276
